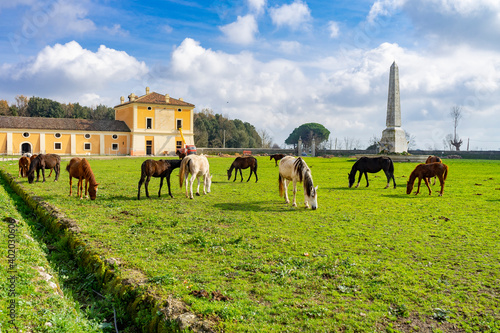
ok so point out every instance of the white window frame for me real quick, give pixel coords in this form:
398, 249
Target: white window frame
57, 143
56, 135
113, 145
87, 136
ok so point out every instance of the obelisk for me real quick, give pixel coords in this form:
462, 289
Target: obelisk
393, 137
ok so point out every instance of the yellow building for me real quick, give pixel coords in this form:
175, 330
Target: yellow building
145, 125
154, 121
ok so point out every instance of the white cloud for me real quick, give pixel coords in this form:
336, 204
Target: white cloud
116, 30
257, 6
290, 47
333, 29
166, 29
348, 97
242, 31
296, 15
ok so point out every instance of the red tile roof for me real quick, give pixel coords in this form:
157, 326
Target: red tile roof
155, 98
40, 123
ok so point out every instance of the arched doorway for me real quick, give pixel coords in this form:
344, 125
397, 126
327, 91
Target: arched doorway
26, 148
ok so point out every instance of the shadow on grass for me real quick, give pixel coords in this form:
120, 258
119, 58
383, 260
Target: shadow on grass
257, 206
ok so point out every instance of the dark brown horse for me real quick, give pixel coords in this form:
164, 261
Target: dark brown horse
276, 157
153, 168
243, 163
24, 166
80, 169
180, 153
42, 162
433, 159
32, 157
426, 171
372, 165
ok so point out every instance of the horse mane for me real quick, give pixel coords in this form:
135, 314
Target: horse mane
87, 171
304, 173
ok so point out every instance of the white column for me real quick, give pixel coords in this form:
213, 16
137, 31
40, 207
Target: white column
9, 143
72, 142
102, 149
42, 143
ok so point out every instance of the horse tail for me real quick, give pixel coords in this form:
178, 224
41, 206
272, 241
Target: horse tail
445, 173
281, 187
182, 172
391, 166
255, 164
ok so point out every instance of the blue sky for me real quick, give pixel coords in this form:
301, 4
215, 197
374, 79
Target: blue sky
275, 64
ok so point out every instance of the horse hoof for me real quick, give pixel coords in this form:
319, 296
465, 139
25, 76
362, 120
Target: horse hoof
197, 194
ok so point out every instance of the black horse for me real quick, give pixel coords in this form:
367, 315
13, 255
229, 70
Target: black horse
42, 162
372, 165
243, 163
152, 168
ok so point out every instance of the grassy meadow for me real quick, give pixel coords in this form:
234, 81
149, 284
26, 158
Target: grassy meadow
367, 260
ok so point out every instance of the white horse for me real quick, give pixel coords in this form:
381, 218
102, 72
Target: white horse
296, 170
197, 166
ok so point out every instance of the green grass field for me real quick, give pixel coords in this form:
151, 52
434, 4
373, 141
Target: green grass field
369, 259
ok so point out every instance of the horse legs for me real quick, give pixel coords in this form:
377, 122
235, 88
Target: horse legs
43, 174
366, 177
241, 175
427, 183
141, 181
198, 187
285, 185
441, 182
418, 188
168, 183
58, 171
146, 185
161, 184
70, 184
294, 203
80, 188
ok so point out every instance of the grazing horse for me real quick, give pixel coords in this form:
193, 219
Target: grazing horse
197, 166
432, 159
296, 170
243, 163
372, 165
24, 165
80, 169
42, 162
276, 157
152, 168
425, 171
180, 154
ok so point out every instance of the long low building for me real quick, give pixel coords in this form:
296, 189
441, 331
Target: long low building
144, 125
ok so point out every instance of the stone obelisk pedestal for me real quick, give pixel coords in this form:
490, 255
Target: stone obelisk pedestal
393, 137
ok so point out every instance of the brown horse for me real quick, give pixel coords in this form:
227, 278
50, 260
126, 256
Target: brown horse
80, 169
276, 157
243, 163
42, 162
433, 159
426, 171
152, 168
24, 165
32, 157
180, 154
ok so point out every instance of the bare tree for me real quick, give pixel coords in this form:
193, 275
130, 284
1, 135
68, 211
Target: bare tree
456, 115
447, 142
411, 139
267, 140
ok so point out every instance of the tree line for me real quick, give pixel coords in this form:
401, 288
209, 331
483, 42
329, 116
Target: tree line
44, 107
216, 131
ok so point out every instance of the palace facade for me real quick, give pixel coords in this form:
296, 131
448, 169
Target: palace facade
144, 125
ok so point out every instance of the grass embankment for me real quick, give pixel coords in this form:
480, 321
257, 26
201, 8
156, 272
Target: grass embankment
368, 259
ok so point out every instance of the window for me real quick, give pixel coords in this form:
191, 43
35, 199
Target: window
57, 145
114, 147
150, 108
57, 135
26, 135
149, 123
87, 136
179, 123
87, 146
180, 110
178, 144
115, 136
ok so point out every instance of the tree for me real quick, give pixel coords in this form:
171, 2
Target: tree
22, 105
307, 132
4, 108
456, 115
411, 140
